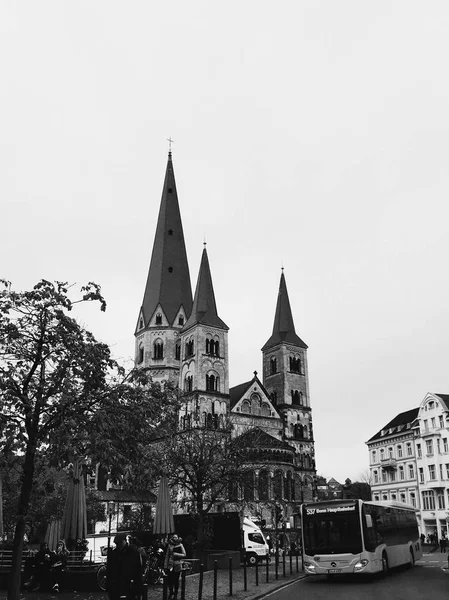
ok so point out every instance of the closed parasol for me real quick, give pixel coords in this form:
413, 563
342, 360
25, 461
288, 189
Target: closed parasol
163, 519
74, 521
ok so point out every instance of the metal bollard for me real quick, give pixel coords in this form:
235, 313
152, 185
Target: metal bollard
215, 578
257, 571
183, 585
297, 563
267, 564
230, 575
245, 575
164, 587
276, 566
200, 583
283, 563
291, 563
145, 591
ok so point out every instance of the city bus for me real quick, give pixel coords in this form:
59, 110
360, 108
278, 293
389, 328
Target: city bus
357, 536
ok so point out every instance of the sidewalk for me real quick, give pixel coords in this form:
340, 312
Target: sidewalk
253, 592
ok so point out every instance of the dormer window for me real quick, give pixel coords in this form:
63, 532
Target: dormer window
158, 319
141, 323
180, 320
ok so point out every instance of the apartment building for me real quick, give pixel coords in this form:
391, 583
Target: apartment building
409, 462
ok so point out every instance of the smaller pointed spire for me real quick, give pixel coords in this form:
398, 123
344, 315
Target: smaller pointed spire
283, 326
204, 309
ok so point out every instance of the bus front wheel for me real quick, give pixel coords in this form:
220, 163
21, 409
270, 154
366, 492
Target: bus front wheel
412, 558
384, 563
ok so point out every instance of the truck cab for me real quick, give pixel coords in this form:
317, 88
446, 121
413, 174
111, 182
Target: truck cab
254, 542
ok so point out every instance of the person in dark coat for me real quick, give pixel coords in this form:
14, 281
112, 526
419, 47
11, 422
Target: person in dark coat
40, 579
173, 564
123, 570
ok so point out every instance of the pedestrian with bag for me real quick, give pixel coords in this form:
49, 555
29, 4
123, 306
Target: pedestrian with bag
173, 564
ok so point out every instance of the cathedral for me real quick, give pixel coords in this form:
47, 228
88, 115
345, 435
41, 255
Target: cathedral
182, 339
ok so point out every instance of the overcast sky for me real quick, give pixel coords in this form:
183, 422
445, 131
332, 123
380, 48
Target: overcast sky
310, 134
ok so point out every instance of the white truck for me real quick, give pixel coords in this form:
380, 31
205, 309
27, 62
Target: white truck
254, 542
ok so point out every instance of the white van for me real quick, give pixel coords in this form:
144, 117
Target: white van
254, 542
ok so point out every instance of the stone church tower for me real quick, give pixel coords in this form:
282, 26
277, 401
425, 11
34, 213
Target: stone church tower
204, 377
286, 379
167, 301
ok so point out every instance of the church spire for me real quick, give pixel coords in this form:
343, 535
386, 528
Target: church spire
168, 283
204, 309
283, 327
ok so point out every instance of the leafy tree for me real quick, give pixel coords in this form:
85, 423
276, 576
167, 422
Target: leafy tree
61, 392
202, 463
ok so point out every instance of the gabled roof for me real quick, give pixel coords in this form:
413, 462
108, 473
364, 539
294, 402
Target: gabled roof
397, 424
237, 392
168, 280
204, 310
283, 327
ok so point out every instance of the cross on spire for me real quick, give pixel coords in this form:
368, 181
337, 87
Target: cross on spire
170, 142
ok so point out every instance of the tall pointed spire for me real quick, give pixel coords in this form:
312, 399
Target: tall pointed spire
168, 282
204, 308
283, 327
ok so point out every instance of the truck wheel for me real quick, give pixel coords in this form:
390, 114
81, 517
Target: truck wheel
251, 559
384, 563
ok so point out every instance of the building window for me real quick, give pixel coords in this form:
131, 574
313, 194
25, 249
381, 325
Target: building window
440, 421
273, 397
212, 347
212, 383
263, 486
392, 476
384, 476
382, 453
141, 323
409, 449
180, 320
429, 447
178, 351
373, 457
273, 366
445, 445
188, 383
295, 364
158, 319
441, 471
140, 354
447, 470
421, 475
376, 497
296, 398
428, 500
399, 451
432, 474
158, 350
413, 499
401, 473
393, 496
189, 348
376, 476
418, 450
411, 472
402, 496
438, 446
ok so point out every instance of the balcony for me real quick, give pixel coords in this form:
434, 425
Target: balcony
389, 464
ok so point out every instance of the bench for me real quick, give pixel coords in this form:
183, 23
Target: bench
6, 559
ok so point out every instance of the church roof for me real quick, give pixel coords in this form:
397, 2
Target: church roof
204, 310
238, 391
258, 438
283, 327
168, 282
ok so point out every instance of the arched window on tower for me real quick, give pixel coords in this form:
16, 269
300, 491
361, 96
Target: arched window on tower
189, 348
178, 351
158, 350
273, 366
295, 397
188, 383
295, 364
140, 354
212, 383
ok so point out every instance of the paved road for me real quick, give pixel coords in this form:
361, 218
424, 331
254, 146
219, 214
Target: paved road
428, 580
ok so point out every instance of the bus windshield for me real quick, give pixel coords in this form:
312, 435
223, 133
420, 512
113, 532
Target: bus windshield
332, 529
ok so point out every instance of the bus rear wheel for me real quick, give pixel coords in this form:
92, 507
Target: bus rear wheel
384, 563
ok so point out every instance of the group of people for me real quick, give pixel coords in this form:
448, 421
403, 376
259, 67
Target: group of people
432, 539
125, 566
45, 568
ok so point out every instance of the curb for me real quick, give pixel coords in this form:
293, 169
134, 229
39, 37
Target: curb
276, 589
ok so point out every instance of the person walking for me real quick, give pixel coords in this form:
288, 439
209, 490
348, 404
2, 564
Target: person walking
173, 564
123, 570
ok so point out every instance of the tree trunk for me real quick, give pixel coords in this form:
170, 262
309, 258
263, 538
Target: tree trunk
22, 511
